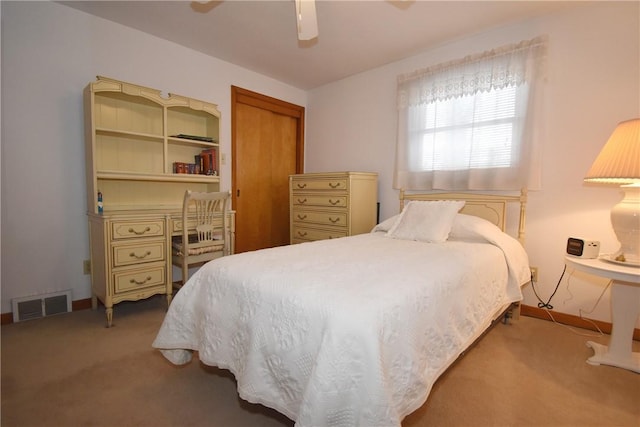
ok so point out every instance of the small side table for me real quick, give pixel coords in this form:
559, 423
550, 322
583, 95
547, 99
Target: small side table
625, 306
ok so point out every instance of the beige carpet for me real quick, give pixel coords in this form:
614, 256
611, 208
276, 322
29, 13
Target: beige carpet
69, 370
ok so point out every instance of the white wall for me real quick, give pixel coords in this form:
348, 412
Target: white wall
592, 84
50, 52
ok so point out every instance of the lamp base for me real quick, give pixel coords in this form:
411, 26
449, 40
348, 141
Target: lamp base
625, 219
612, 259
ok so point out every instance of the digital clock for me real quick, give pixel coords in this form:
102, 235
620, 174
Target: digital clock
583, 248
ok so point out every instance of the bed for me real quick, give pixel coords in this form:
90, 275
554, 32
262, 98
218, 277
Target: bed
354, 331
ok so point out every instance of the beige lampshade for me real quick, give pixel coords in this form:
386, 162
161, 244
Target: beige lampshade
619, 159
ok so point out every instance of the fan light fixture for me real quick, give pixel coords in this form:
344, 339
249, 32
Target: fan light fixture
306, 19
619, 163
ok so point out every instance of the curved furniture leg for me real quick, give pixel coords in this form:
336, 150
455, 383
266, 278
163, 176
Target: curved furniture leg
109, 312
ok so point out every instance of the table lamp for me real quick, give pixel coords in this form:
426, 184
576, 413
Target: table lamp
619, 163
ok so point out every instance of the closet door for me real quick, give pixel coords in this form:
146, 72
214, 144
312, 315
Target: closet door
267, 147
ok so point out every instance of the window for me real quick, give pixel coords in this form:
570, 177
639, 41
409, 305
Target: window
466, 124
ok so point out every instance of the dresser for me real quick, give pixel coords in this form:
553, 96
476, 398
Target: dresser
144, 149
331, 205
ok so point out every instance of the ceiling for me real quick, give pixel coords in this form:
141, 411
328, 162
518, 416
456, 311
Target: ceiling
355, 36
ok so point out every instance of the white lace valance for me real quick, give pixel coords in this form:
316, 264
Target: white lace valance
497, 68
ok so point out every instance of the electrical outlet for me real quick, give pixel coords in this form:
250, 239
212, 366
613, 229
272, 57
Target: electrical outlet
534, 274
86, 266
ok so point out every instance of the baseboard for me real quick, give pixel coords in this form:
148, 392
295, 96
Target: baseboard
570, 320
81, 304
6, 318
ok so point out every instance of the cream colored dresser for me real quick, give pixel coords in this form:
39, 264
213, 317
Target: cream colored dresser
142, 148
332, 205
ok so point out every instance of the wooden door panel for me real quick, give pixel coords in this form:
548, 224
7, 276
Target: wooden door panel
283, 164
253, 216
267, 147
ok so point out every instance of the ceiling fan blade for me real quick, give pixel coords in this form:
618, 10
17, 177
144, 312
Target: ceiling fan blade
306, 19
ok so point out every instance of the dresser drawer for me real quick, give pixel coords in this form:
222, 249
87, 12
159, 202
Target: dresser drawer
302, 184
319, 200
139, 253
337, 218
140, 278
176, 225
299, 234
134, 229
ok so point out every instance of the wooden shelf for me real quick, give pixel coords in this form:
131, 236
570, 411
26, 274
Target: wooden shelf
172, 177
132, 143
136, 135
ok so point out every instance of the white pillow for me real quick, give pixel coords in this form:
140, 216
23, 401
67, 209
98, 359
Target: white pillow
471, 228
386, 224
426, 221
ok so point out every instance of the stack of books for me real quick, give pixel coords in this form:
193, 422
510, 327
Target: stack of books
205, 164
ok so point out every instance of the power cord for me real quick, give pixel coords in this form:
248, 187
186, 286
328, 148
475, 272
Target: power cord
547, 306
541, 303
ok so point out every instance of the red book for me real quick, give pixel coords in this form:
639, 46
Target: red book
210, 165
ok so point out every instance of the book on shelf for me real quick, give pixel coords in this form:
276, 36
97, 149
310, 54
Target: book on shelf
209, 162
188, 168
178, 167
199, 161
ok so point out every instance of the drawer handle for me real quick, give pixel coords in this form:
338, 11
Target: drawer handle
303, 201
140, 282
302, 185
302, 216
336, 185
334, 203
133, 255
334, 220
302, 234
131, 230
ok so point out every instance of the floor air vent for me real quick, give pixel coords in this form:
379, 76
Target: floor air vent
37, 306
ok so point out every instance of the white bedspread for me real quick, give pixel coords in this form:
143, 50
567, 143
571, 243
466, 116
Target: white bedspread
345, 332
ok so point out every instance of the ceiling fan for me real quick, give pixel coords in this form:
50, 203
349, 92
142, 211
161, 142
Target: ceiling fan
306, 20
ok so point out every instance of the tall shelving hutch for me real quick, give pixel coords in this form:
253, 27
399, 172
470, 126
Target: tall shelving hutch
137, 140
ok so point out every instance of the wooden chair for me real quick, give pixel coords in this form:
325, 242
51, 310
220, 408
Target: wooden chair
205, 230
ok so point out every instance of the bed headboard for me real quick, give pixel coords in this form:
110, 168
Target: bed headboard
491, 207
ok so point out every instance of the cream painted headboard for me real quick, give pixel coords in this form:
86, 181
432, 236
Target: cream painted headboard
491, 207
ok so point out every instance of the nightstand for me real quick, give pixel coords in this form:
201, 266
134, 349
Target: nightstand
625, 306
